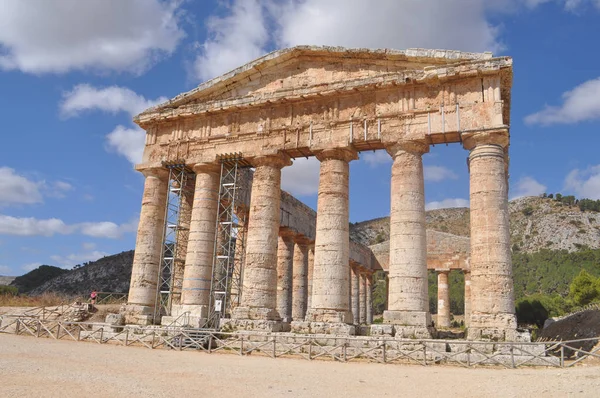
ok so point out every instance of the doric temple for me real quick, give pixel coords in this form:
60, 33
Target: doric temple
220, 244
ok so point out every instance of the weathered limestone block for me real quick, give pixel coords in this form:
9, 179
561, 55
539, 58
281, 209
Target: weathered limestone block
327, 328
146, 260
259, 292
443, 302
285, 261
382, 330
408, 300
300, 282
330, 274
492, 304
201, 241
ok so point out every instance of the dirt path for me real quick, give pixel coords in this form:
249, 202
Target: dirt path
42, 367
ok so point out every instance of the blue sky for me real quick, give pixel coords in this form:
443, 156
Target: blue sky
73, 73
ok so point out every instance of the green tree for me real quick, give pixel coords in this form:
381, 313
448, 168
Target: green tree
584, 288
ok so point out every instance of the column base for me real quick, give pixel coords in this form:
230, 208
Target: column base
410, 324
335, 328
495, 327
329, 316
186, 315
259, 314
135, 314
257, 325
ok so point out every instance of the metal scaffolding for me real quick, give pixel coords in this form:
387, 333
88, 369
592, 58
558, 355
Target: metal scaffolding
175, 237
226, 281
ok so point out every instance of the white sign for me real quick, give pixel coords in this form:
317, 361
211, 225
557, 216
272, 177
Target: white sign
218, 304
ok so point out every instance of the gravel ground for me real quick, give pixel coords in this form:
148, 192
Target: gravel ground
31, 367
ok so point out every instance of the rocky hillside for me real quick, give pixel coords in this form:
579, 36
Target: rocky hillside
109, 274
6, 280
26, 283
536, 223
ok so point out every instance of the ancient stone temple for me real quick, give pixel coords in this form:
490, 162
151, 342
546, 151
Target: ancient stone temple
300, 271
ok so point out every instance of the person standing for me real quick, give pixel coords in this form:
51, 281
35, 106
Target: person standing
93, 296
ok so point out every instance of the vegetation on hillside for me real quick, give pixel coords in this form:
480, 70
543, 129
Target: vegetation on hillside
37, 277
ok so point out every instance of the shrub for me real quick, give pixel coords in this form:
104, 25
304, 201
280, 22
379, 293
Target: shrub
527, 211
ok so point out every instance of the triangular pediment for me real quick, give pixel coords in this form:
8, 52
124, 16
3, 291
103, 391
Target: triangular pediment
308, 67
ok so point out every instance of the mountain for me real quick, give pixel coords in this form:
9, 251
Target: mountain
31, 280
6, 280
535, 223
108, 274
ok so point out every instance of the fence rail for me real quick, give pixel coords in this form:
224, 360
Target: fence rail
313, 347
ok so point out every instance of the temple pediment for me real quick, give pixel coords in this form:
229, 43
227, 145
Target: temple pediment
307, 70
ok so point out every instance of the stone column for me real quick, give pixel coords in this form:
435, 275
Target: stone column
285, 261
443, 305
148, 248
369, 299
330, 275
408, 306
259, 291
467, 275
355, 295
201, 242
492, 312
309, 276
362, 292
300, 270
387, 291
186, 203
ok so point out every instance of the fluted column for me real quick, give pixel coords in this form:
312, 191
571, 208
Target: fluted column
408, 305
369, 299
148, 246
443, 302
285, 261
201, 242
467, 275
309, 276
330, 274
186, 203
492, 312
259, 292
362, 293
355, 295
300, 271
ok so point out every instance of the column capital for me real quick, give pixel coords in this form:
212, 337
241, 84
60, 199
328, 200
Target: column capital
280, 161
417, 147
158, 172
442, 271
302, 240
498, 137
345, 154
206, 168
286, 233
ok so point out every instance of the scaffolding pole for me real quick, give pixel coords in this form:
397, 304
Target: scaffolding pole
175, 238
229, 246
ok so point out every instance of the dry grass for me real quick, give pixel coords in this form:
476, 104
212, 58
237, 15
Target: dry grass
44, 300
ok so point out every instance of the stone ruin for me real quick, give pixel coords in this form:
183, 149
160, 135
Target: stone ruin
304, 274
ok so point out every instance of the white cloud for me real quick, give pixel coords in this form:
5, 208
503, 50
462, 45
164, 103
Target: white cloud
40, 36
438, 173
88, 246
453, 24
77, 258
5, 270
30, 266
373, 159
249, 28
579, 104
527, 186
447, 203
113, 99
302, 178
127, 142
30, 226
57, 189
234, 39
584, 183
17, 189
